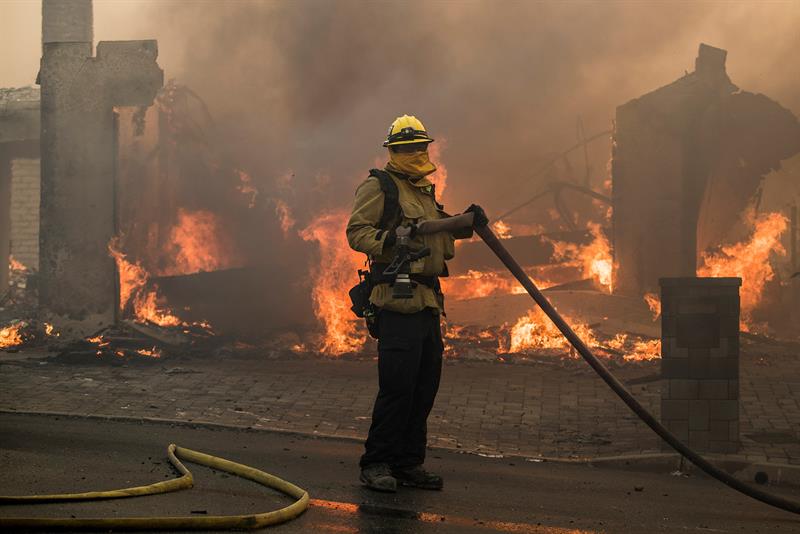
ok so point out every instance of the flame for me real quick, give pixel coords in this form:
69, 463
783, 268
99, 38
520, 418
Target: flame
150, 353
333, 277
594, 259
15, 265
247, 188
284, 214
198, 244
636, 350
11, 336
654, 303
476, 284
502, 230
49, 330
147, 307
749, 259
597, 259
536, 331
133, 279
438, 178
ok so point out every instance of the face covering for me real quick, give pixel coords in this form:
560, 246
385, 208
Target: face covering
415, 164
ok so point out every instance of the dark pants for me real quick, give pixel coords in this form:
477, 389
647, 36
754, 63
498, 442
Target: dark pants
409, 367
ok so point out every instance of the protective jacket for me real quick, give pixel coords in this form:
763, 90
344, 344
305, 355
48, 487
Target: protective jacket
417, 204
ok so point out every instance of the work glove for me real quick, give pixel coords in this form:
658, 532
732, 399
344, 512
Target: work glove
391, 236
479, 217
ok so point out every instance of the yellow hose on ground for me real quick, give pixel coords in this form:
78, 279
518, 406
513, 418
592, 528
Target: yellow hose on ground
185, 481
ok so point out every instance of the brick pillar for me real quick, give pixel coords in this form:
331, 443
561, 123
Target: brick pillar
25, 194
78, 279
5, 221
700, 361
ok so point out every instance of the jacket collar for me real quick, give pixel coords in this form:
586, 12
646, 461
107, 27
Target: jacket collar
421, 183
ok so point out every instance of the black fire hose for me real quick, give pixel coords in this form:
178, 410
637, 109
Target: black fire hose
773, 500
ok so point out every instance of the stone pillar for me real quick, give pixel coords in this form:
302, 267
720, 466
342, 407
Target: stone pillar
78, 286
700, 361
67, 21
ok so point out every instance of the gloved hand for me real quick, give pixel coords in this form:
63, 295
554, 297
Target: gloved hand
409, 230
479, 217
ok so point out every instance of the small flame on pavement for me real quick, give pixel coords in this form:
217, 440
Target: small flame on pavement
50, 330
536, 331
15, 265
150, 353
11, 336
640, 350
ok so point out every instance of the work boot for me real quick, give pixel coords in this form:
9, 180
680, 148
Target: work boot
378, 477
417, 477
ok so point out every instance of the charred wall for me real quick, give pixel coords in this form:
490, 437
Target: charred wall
78, 289
687, 158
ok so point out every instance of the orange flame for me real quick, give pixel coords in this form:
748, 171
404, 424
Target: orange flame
536, 331
132, 288
502, 230
749, 260
198, 244
333, 277
438, 178
476, 284
654, 303
640, 350
594, 259
11, 336
247, 188
150, 353
15, 265
284, 214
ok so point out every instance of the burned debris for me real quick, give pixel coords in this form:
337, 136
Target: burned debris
137, 261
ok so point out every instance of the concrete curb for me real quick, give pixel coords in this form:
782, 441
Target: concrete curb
776, 473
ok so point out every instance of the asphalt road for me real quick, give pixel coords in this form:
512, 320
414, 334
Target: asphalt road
41, 454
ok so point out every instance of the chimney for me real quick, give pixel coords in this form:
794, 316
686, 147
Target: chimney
67, 21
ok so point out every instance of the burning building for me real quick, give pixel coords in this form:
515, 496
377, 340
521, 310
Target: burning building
688, 159
148, 215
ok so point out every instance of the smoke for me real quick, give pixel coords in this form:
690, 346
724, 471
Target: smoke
308, 88
311, 86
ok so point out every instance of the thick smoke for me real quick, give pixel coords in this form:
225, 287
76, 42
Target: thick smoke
307, 89
311, 86
302, 92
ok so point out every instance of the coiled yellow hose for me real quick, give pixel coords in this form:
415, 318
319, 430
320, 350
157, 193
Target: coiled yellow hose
185, 481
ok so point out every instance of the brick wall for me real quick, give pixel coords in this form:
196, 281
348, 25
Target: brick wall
700, 361
25, 188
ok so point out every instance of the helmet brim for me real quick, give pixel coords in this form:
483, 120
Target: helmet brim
408, 142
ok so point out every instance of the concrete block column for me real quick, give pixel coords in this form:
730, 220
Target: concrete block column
700, 361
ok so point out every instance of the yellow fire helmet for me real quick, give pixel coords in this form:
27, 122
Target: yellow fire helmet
406, 130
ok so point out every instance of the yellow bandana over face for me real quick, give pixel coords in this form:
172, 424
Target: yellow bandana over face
411, 163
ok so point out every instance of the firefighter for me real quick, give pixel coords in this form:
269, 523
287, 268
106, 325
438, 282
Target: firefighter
391, 201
